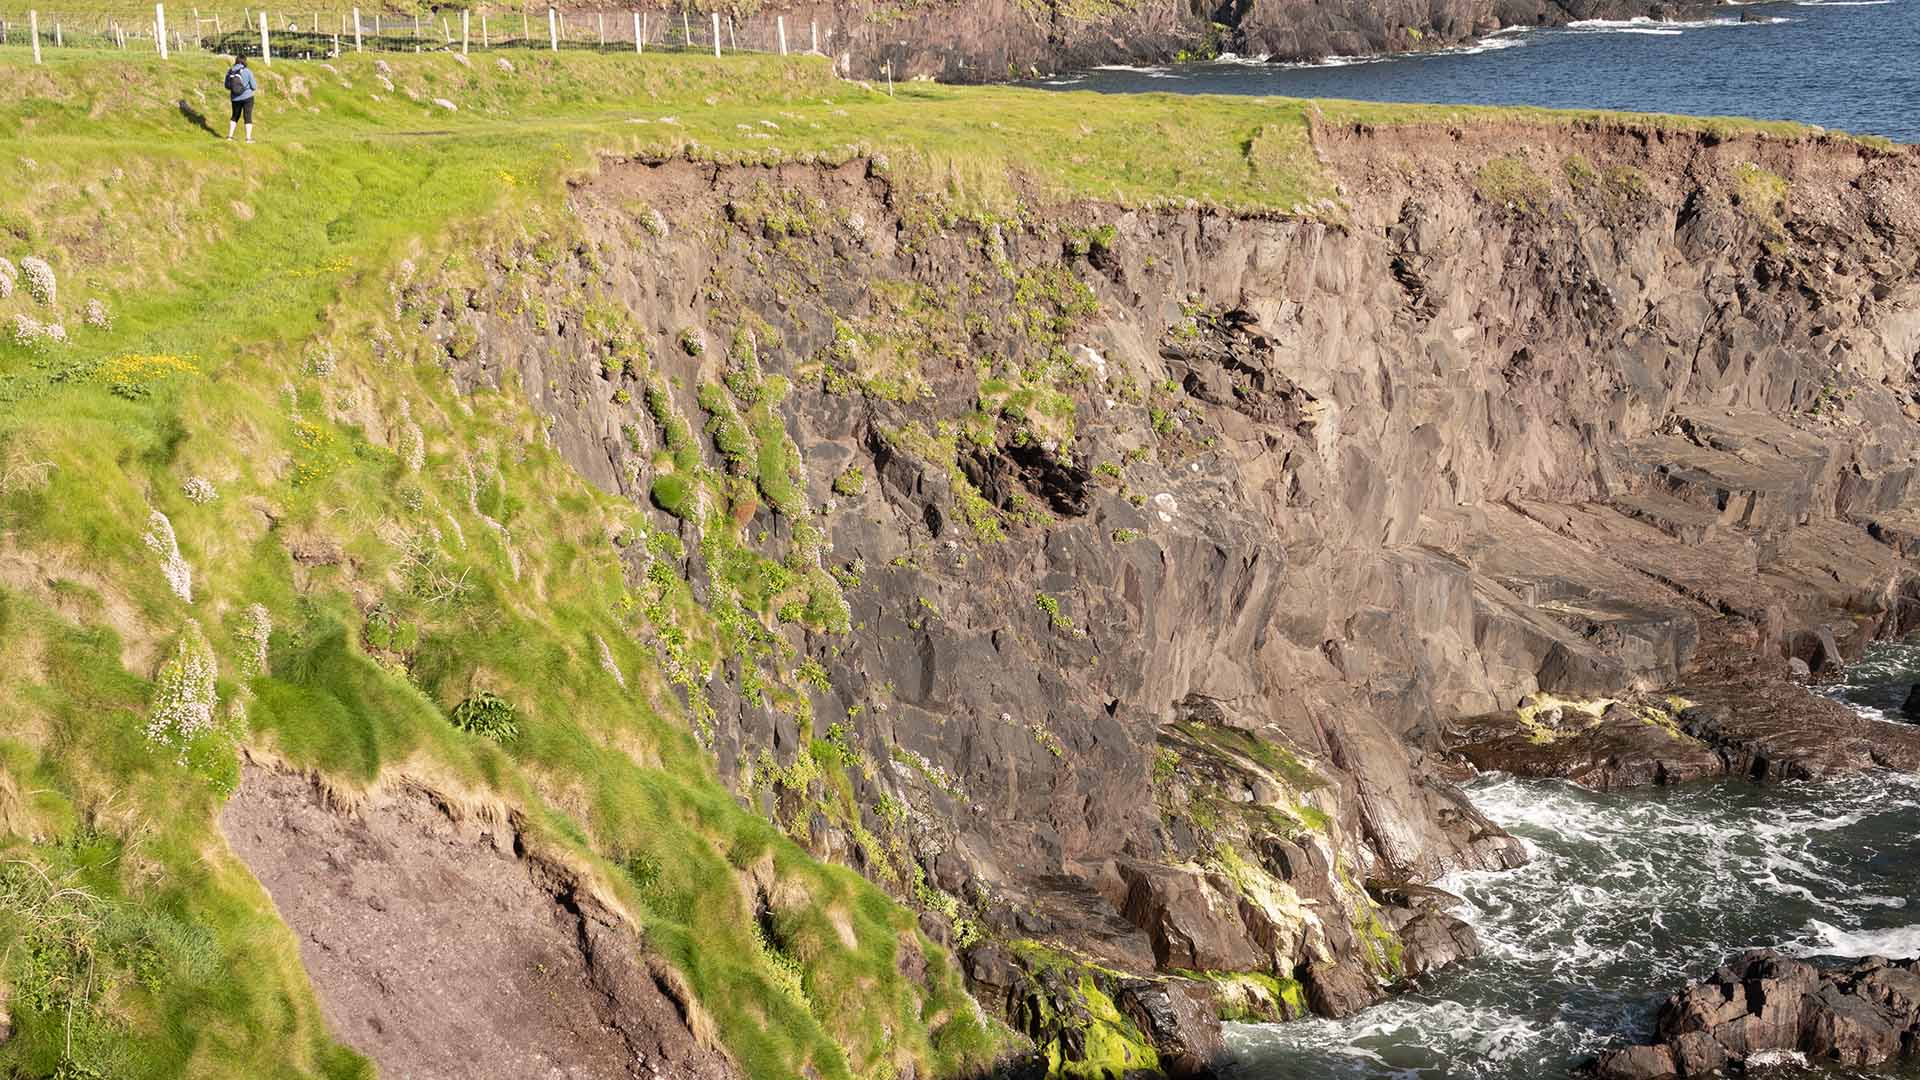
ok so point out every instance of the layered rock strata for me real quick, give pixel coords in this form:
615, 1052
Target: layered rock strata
1175, 545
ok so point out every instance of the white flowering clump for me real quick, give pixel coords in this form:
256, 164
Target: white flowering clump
257, 631
607, 661
185, 695
321, 362
55, 333
97, 316
199, 490
413, 441
26, 330
161, 540
40, 282
9, 277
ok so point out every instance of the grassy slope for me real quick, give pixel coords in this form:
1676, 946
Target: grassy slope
264, 277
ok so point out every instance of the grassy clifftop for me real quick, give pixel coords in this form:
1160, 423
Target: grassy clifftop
242, 506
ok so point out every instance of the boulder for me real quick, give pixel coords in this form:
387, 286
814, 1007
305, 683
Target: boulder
1177, 1017
1763, 1002
1638, 1063
1194, 924
1433, 939
1339, 990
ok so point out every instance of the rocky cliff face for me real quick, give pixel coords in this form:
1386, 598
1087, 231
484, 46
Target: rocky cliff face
999, 40
1142, 564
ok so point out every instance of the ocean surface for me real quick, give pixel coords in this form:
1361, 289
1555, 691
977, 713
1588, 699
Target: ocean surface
1631, 896
1852, 65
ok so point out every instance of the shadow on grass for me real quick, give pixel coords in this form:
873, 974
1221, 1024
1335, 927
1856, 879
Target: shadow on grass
196, 118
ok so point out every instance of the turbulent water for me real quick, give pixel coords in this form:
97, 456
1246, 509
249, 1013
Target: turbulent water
1629, 897
1846, 64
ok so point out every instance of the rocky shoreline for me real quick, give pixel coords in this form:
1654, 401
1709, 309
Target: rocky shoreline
985, 41
1763, 1005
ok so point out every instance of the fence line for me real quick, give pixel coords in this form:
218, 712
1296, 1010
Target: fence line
318, 33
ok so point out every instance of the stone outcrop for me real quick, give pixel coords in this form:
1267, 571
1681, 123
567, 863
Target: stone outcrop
1867, 1013
1175, 545
1000, 40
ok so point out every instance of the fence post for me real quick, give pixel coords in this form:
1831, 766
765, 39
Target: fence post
716, 35
732, 42
160, 29
485, 42
780, 23
356, 30
889, 78
639, 42
603, 29
686, 30
553, 30
463, 31
266, 45
815, 25
33, 30
446, 33
58, 41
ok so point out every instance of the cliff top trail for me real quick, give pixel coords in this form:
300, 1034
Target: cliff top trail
960, 583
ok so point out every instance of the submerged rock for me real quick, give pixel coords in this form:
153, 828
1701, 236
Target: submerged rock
1764, 1002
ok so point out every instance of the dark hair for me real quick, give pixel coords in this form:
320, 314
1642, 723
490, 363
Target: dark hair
239, 60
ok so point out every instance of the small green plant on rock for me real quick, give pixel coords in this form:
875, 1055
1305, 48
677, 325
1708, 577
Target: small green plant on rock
1050, 606
1511, 183
675, 494
851, 483
488, 716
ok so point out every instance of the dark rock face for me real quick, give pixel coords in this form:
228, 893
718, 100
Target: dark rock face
995, 40
1163, 687
1864, 1014
1178, 1018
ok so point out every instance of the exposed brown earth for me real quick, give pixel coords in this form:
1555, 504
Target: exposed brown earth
440, 950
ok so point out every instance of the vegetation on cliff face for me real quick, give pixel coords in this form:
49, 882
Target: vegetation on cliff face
243, 507
246, 515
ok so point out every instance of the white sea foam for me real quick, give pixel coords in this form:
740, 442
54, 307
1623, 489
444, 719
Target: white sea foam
1826, 939
1639, 24
1628, 897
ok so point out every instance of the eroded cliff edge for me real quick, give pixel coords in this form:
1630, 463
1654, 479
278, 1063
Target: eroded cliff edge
975, 41
1139, 563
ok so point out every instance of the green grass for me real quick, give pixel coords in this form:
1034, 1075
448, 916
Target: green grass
416, 548
263, 276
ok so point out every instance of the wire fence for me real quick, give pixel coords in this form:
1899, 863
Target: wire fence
318, 33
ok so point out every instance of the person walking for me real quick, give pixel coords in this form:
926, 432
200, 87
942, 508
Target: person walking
241, 88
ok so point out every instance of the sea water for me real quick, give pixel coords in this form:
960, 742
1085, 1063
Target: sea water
1629, 897
1852, 65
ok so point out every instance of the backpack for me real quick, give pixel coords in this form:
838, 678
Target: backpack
236, 80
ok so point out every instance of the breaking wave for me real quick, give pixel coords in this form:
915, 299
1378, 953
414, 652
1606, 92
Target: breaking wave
1630, 896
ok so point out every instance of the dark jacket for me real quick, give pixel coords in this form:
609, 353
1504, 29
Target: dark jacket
246, 78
